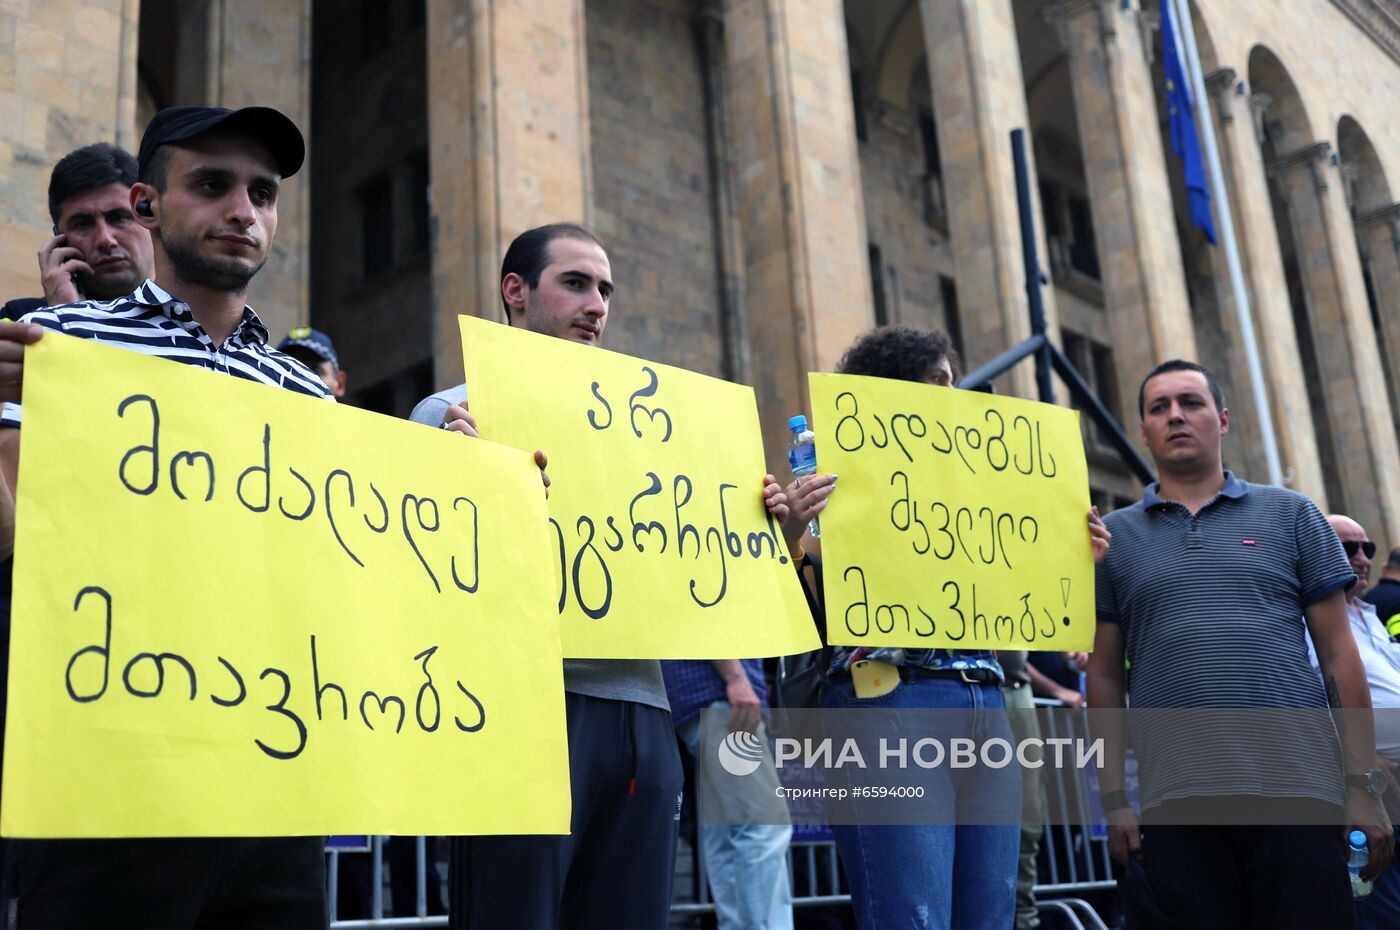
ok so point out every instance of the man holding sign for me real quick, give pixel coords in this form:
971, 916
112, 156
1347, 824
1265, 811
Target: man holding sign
208, 195
614, 869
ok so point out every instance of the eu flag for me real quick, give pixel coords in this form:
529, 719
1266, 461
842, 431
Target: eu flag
1181, 119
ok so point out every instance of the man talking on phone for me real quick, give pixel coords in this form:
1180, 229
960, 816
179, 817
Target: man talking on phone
98, 251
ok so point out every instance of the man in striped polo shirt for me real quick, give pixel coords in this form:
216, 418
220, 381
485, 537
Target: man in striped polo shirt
1206, 592
209, 179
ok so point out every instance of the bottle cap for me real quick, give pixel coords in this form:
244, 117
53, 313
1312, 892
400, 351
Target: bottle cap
1357, 839
798, 423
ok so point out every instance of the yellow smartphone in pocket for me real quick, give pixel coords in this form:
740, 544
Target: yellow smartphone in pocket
872, 678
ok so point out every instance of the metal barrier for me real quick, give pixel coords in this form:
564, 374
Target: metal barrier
377, 918
1077, 857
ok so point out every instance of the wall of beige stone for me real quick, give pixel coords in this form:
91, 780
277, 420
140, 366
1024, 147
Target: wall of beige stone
1345, 73
237, 53
516, 91
915, 254
979, 98
508, 123
1130, 195
806, 277
1354, 74
653, 193
68, 73
62, 64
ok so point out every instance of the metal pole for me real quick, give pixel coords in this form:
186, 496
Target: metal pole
1035, 278
983, 375
376, 898
420, 874
1187, 36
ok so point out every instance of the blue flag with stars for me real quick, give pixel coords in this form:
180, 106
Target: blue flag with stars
1182, 122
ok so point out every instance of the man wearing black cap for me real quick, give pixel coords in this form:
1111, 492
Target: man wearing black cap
209, 179
315, 350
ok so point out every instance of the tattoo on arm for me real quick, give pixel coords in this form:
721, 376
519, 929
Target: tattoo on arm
1334, 700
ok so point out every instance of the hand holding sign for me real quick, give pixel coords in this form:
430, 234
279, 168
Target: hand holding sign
253, 627
961, 520
663, 545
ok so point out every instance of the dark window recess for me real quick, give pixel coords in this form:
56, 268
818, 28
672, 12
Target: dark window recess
419, 179
858, 99
1083, 253
877, 286
1094, 362
1050, 209
415, 14
396, 396
935, 200
376, 28
1076, 349
952, 317
1074, 346
376, 206
1387, 363
1370, 283
928, 131
1106, 378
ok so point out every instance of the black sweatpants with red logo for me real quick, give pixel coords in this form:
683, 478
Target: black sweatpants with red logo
614, 868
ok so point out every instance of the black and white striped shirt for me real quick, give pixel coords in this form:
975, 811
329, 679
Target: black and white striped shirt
150, 321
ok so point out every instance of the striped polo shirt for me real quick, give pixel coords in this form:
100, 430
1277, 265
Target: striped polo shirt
150, 321
1211, 610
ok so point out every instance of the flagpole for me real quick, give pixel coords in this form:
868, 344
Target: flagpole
1186, 33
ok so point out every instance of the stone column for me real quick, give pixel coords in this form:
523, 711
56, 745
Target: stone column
60, 88
508, 129
806, 274
1378, 235
1257, 235
978, 98
1130, 192
258, 53
1354, 394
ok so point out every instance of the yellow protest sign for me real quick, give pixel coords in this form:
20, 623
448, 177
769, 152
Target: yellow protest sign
959, 519
239, 611
663, 548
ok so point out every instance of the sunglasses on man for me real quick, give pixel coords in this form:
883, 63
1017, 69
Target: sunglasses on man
1350, 546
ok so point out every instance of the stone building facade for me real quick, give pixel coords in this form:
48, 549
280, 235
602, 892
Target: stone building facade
775, 177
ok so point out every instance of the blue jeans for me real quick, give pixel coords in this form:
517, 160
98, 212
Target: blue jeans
941, 876
746, 863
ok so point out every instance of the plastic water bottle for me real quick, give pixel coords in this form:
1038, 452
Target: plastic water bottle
1356, 840
802, 456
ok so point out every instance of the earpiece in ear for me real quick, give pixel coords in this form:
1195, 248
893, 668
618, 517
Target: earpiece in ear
143, 207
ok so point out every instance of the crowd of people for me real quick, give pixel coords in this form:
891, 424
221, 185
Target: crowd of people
1211, 592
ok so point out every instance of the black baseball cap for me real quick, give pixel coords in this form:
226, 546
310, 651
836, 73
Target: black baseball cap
268, 126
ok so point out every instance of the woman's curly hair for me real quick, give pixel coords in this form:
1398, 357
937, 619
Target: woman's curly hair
901, 352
